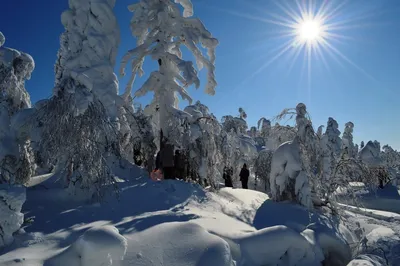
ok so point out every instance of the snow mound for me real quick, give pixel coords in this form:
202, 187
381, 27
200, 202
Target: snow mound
265, 247
178, 244
367, 260
98, 246
11, 200
327, 233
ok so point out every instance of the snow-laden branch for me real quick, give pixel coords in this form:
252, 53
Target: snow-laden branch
160, 30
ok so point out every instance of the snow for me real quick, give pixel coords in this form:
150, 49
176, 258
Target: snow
87, 56
97, 246
160, 29
177, 243
11, 200
370, 154
287, 175
385, 199
296, 250
176, 223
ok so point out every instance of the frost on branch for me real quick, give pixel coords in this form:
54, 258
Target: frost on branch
80, 120
16, 158
160, 30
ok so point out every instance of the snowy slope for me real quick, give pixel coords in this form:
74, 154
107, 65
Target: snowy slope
177, 223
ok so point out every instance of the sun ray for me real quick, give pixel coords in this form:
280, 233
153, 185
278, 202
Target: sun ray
321, 55
296, 52
289, 11
345, 58
256, 18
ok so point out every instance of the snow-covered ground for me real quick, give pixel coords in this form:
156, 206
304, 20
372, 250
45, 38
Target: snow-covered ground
178, 223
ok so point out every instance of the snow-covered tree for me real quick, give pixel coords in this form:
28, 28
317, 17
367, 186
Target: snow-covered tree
253, 132
16, 158
292, 163
161, 29
330, 151
390, 157
234, 124
319, 131
370, 155
280, 134
347, 140
80, 120
86, 59
137, 141
264, 125
242, 113
262, 170
202, 144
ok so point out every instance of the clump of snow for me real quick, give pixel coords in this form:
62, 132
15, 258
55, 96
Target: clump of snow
11, 200
178, 244
98, 246
288, 181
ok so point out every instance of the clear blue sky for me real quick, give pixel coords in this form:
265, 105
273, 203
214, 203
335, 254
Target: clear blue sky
368, 97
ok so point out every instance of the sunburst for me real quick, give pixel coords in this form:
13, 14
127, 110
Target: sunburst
309, 29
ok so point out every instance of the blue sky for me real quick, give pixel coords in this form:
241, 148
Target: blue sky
364, 88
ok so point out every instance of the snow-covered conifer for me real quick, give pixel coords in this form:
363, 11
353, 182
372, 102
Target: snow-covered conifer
330, 145
16, 158
161, 29
390, 157
293, 162
347, 140
80, 120
262, 169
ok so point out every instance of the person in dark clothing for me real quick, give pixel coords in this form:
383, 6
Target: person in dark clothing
179, 165
167, 161
158, 161
227, 176
244, 176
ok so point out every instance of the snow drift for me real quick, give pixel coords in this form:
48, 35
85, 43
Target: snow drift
98, 246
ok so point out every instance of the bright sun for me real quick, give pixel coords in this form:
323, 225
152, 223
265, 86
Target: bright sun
309, 31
